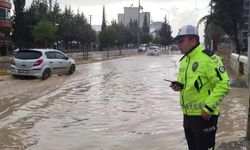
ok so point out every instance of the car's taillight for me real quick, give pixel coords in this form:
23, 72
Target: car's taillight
38, 62
13, 62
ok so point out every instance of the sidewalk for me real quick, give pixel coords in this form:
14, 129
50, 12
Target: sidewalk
232, 124
233, 120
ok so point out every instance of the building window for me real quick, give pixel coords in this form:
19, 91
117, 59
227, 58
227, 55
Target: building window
246, 19
247, 11
246, 4
4, 14
8, 14
244, 44
245, 26
244, 34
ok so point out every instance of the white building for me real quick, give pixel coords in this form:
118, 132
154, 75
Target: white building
131, 13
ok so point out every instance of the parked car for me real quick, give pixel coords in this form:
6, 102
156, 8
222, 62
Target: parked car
174, 48
153, 50
41, 63
142, 48
15, 51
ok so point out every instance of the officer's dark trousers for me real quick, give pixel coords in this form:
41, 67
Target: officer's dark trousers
200, 133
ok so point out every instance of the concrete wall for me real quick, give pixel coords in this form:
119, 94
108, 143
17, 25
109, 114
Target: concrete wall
243, 61
239, 65
235, 62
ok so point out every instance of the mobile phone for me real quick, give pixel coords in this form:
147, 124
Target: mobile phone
168, 80
176, 83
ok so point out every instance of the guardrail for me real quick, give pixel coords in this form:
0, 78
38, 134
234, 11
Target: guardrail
239, 64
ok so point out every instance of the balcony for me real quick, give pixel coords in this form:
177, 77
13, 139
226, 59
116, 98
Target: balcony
5, 4
5, 23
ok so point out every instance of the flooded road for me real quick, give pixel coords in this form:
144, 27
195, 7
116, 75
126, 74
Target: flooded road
121, 104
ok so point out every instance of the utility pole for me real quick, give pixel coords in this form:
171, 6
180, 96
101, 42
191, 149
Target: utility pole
212, 42
90, 19
138, 25
248, 73
212, 45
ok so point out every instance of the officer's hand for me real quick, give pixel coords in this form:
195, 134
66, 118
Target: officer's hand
175, 87
205, 115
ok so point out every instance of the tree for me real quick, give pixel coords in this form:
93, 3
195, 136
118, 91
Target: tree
145, 27
145, 36
44, 32
103, 19
104, 26
71, 27
156, 40
213, 32
19, 21
55, 17
55, 14
165, 33
87, 34
109, 36
229, 16
79, 24
50, 5
121, 32
131, 34
37, 11
66, 26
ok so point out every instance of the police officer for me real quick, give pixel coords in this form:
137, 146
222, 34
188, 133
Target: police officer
204, 84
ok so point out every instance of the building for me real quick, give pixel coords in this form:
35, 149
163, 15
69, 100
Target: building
131, 14
244, 30
5, 26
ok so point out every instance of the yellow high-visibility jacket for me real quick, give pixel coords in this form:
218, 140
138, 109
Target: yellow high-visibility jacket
205, 82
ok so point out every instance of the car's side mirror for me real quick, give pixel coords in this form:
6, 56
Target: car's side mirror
66, 58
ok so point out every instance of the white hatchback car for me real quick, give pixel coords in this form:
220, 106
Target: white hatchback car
142, 48
153, 50
41, 63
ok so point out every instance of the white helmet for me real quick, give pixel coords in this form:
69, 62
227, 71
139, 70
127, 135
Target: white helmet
187, 30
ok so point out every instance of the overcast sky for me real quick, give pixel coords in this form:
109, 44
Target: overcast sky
179, 12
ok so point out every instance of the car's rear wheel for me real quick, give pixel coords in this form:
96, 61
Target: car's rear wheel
15, 76
72, 69
46, 74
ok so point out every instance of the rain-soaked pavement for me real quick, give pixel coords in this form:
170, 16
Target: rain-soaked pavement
121, 104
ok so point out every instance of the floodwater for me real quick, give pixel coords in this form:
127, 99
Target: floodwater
121, 104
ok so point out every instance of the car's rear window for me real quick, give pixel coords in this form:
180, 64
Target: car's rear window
153, 48
28, 54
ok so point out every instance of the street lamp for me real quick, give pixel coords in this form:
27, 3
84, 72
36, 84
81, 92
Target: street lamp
138, 25
248, 73
56, 44
90, 19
